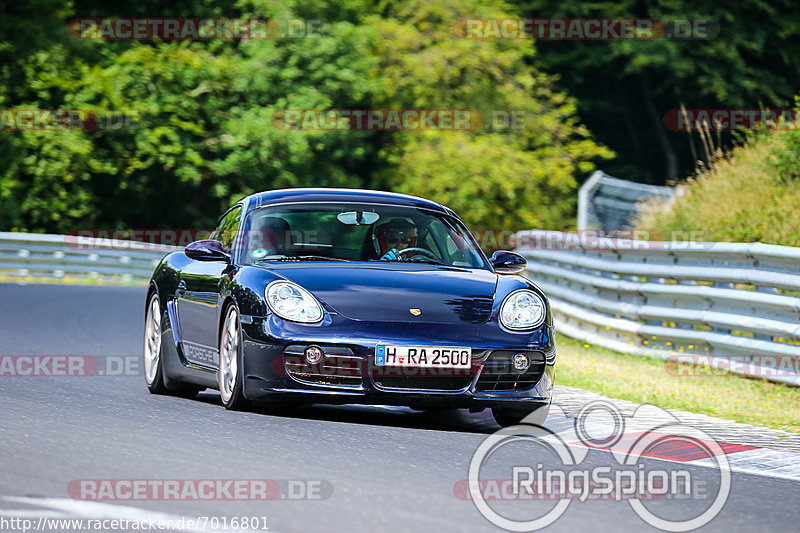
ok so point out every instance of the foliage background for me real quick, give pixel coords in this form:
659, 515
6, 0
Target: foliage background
750, 60
751, 194
204, 135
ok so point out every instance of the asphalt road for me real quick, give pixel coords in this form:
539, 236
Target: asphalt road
382, 469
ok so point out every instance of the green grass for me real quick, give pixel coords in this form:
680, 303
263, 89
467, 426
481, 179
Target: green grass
654, 381
747, 196
68, 280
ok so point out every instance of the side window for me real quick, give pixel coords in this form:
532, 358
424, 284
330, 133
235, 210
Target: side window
432, 245
226, 229
440, 238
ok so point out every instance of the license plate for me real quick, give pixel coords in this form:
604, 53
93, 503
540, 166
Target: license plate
423, 356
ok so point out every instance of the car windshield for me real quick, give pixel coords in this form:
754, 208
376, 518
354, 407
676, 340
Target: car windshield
357, 232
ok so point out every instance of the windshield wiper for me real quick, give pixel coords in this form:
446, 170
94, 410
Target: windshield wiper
301, 258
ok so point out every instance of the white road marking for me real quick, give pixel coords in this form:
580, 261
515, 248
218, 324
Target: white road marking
761, 461
32, 513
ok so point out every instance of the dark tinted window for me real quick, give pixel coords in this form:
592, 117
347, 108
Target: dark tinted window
226, 229
357, 232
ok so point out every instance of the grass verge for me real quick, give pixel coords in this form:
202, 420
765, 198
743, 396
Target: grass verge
68, 280
648, 380
746, 196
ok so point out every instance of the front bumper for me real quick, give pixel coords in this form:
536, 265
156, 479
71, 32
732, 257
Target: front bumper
272, 364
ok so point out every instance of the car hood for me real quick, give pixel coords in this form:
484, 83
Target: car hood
388, 293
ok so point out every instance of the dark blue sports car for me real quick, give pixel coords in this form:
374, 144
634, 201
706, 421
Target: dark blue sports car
349, 296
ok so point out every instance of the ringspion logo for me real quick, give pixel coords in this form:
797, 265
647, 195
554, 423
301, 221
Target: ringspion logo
529, 486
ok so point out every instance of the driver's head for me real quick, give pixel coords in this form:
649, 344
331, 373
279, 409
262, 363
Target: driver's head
397, 233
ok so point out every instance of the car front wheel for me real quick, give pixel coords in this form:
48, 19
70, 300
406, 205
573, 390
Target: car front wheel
153, 375
229, 373
153, 358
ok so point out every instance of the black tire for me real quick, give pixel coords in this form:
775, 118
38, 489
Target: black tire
152, 349
512, 417
230, 350
154, 372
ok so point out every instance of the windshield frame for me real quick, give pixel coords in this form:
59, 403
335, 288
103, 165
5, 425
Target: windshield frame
447, 216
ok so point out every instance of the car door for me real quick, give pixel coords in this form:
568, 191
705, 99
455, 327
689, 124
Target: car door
199, 299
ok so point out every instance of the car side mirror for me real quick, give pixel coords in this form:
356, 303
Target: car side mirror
207, 250
508, 262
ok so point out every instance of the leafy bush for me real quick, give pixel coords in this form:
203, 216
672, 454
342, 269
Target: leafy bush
743, 197
786, 156
204, 136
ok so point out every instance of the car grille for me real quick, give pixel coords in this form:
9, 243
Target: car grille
338, 368
422, 383
420, 379
498, 374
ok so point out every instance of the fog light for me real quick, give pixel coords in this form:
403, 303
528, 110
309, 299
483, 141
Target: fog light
314, 355
521, 362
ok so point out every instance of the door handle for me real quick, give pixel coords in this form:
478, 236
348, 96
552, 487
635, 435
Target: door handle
181, 288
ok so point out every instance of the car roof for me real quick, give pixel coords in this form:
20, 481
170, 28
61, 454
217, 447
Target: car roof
299, 195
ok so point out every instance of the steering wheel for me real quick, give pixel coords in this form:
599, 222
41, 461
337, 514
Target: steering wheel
415, 250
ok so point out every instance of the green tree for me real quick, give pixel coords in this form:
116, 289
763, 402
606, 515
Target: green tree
495, 177
624, 87
203, 134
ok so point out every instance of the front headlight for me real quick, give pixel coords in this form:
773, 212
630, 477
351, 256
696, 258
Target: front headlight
522, 309
292, 302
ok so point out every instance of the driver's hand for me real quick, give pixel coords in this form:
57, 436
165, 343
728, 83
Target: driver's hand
391, 255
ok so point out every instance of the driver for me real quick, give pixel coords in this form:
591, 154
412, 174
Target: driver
394, 236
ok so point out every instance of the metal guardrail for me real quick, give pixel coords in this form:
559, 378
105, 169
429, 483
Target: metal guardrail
724, 301
26, 255
732, 303
606, 202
